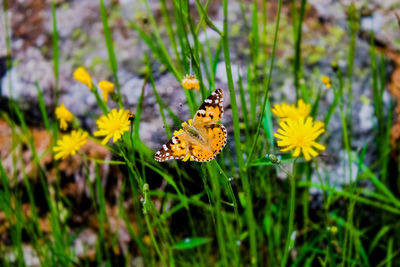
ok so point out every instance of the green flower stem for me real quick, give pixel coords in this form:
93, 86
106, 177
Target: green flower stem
235, 114
99, 100
55, 51
266, 90
154, 241
297, 58
171, 33
110, 49
220, 228
292, 178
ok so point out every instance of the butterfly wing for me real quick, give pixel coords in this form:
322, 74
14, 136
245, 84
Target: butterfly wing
211, 110
200, 154
183, 145
176, 148
216, 133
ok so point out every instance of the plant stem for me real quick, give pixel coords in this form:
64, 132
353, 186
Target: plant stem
292, 178
297, 59
154, 241
110, 50
235, 114
266, 91
55, 52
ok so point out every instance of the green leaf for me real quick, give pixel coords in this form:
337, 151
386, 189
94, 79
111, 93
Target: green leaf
110, 49
42, 107
242, 199
191, 242
267, 124
384, 230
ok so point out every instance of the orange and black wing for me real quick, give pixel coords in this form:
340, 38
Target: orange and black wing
211, 110
176, 148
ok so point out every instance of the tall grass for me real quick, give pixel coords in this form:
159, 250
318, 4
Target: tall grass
234, 210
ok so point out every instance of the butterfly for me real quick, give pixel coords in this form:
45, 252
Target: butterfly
202, 138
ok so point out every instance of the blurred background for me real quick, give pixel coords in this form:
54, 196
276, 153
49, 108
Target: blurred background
330, 28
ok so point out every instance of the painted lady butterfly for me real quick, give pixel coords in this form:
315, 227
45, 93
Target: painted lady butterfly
201, 139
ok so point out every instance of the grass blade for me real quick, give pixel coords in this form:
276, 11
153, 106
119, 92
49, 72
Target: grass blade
110, 49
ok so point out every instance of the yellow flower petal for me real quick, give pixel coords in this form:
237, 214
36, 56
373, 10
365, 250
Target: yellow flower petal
296, 152
318, 146
186, 157
105, 96
326, 80
190, 82
64, 115
285, 111
300, 134
70, 144
178, 132
113, 125
306, 154
82, 76
106, 86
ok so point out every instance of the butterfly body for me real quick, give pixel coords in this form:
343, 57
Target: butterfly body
202, 138
195, 134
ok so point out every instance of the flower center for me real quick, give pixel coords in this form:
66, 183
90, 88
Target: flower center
300, 140
70, 146
114, 126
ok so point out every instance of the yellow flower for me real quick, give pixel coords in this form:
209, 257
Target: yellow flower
285, 111
327, 81
70, 144
107, 88
333, 229
365, 100
64, 115
334, 66
190, 82
300, 135
82, 76
114, 124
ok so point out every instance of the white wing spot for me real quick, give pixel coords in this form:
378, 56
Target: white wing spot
216, 101
208, 101
167, 154
165, 147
